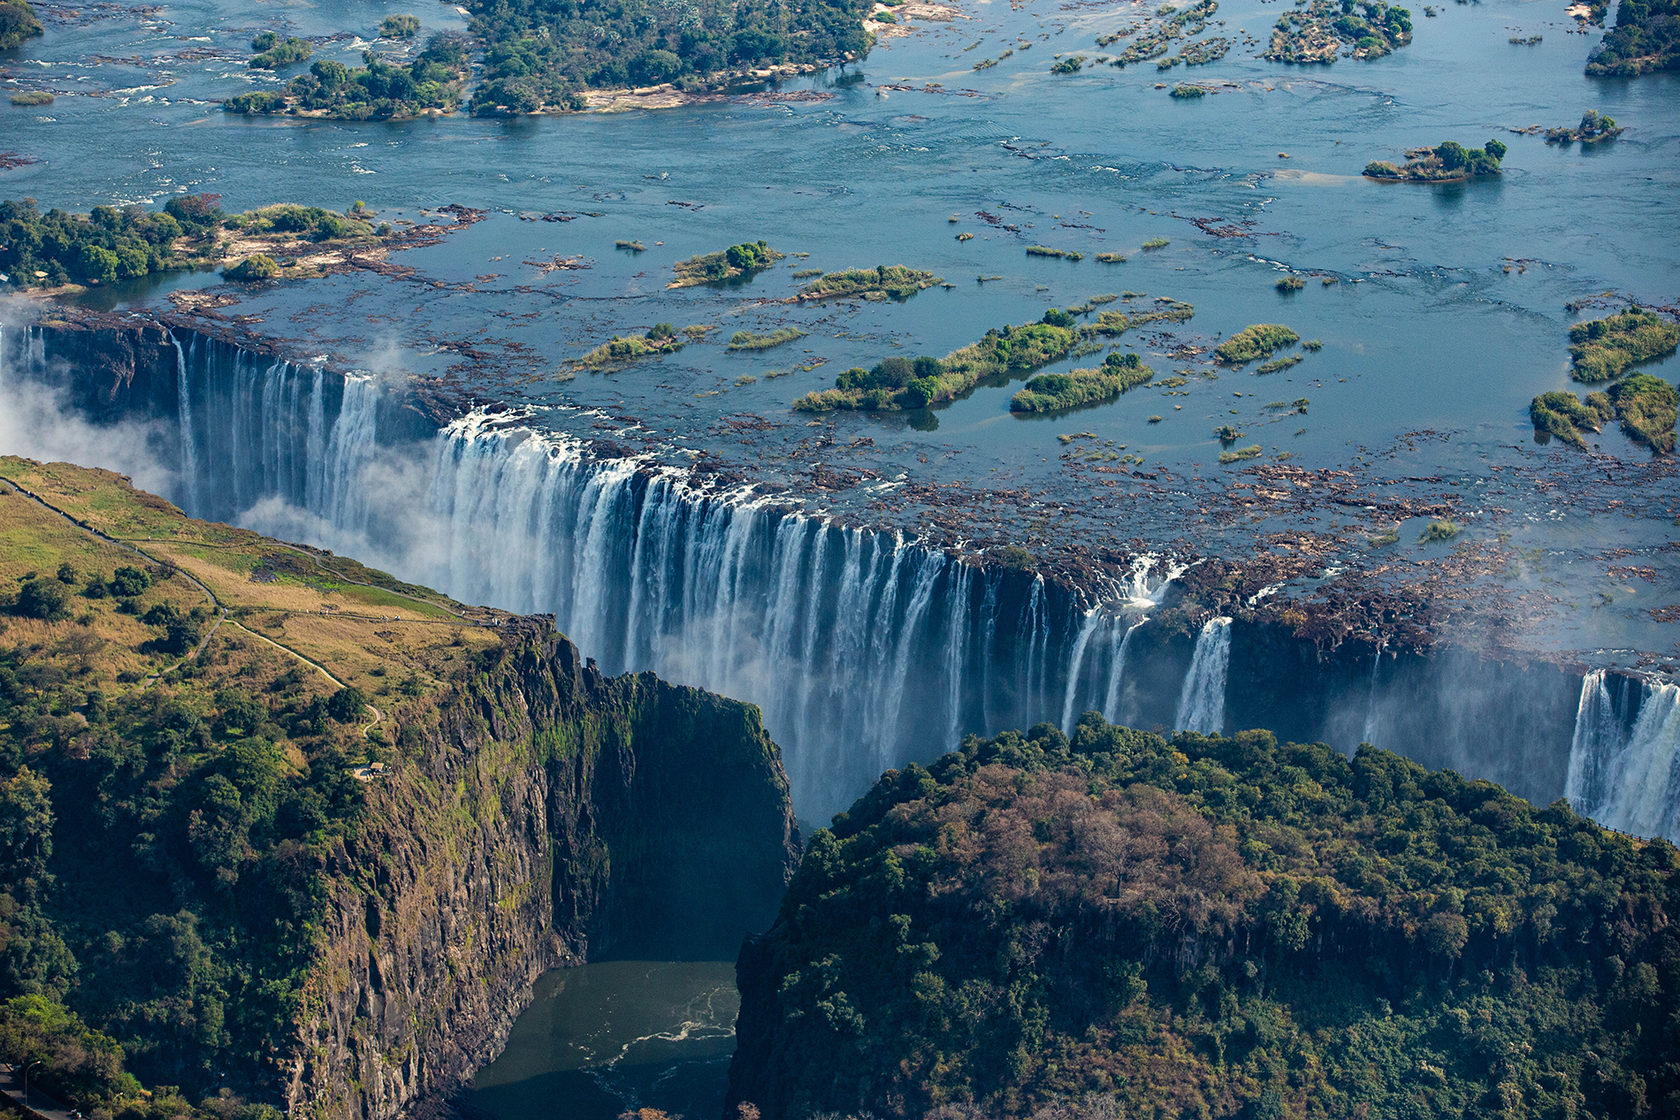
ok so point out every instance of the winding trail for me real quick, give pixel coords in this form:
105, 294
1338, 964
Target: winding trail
215, 600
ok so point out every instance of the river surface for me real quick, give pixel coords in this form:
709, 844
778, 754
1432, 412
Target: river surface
607, 1038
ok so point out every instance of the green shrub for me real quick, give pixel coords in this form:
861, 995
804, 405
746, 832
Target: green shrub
402, 26
1254, 341
258, 266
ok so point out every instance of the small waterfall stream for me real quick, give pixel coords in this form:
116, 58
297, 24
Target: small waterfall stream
1201, 706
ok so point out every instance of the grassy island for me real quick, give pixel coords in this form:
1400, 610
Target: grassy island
1176, 24
1594, 128
622, 351
1646, 39
1645, 405
1253, 342
1647, 408
378, 90
749, 340
1004, 353
884, 281
1050, 392
56, 248
17, 23
1566, 416
1119, 924
1165, 310
1448, 162
738, 262
1325, 29
1604, 349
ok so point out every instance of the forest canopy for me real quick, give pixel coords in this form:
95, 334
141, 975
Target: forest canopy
1135, 926
542, 53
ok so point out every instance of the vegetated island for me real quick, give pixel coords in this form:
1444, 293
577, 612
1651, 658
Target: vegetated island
377, 90
623, 351
1011, 351
1324, 29
884, 281
752, 340
1448, 162
1645, 405
1176, 24
1646, 39
544, 54
249, 788
274, 52
17, 23
1255, 341
1604, 349
738, 262
1051, 392
1595, 128
58, 248
1126, 925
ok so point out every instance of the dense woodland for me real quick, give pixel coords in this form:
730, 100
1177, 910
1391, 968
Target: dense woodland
1124, 925
542, 53
1646, 38
380, 89
110, 244
161, 848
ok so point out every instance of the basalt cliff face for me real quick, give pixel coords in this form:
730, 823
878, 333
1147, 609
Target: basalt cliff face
542, 814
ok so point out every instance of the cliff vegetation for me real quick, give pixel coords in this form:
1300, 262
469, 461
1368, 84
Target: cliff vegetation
1127, 925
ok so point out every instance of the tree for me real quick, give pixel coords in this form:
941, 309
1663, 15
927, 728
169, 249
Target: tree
43, 599
258, 266
346, 704
127, 582
1496, 149
97, 265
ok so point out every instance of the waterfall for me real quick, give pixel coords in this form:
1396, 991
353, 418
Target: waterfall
1117, 672
1369, 735
863, 648
1201, 706
1086, 629
189, 449
1627, 777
